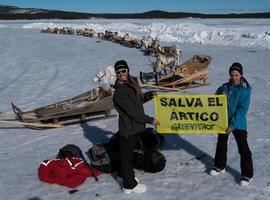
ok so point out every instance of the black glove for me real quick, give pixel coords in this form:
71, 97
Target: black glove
149, 95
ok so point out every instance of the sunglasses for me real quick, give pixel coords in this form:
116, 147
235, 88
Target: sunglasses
123, 71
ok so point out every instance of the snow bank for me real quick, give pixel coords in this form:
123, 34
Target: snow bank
234, 32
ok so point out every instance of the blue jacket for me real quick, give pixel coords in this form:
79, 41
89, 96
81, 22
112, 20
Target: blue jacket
238, 97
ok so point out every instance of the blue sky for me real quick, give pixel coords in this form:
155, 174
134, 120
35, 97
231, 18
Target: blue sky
129, 6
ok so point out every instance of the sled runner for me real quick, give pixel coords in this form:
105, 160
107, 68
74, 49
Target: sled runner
92, 105
186, 75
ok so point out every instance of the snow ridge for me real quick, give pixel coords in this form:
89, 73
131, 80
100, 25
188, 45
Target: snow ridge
197, 31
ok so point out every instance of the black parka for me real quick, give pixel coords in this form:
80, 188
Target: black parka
132, 118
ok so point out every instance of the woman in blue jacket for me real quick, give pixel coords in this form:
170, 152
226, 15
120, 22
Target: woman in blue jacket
238, 93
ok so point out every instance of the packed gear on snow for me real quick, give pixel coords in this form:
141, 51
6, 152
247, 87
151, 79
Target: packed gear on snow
69, 172
150, 139
100, 158
71, 150
149, 160
146, 155
106, 157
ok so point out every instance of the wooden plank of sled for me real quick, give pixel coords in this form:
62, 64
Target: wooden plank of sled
88, 120
177, 88
159, 87
32, 124
13, 115
195, 86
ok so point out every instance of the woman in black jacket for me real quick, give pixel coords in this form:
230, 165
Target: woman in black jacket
128, 101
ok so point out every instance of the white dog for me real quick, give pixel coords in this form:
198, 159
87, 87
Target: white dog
106, 77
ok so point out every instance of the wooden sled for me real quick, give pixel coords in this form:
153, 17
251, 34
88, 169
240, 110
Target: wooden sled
192, 73
92, 105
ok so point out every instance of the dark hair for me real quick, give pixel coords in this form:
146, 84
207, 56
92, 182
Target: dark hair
242, 81
134, 84
245, 81
121, 64
236, 66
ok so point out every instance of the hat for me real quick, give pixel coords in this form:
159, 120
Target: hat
236, 66
121, 64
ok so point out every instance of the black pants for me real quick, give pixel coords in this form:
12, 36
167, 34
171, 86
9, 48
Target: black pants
243, 149
127, 146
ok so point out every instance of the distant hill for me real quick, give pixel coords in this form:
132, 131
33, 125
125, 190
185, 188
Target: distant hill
13, 12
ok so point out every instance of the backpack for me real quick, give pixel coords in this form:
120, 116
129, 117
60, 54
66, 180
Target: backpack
106, 156
71, 150
103, 158
150, 139
149, 160
146, 155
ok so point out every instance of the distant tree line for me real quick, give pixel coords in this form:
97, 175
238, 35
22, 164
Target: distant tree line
8, 13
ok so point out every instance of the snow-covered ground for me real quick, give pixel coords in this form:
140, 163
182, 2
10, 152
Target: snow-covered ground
39, 69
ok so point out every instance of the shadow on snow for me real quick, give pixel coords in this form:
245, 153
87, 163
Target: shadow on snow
173, 142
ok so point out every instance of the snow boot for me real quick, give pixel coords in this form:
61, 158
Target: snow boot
139, 188
245, 181
216, 171
120, 180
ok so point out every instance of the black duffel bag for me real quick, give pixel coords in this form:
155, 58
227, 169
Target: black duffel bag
147, 156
